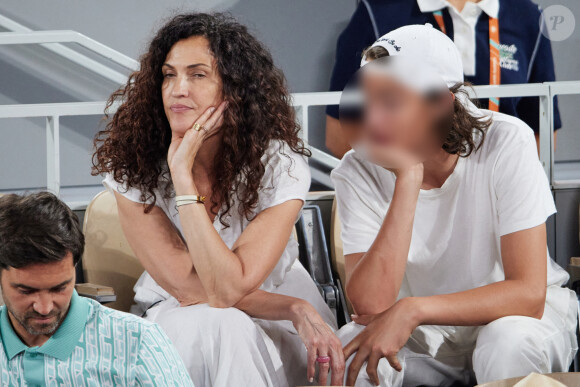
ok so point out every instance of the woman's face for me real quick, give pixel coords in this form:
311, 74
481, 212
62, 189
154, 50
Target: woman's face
191, 83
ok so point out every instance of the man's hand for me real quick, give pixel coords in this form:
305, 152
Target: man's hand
386, 333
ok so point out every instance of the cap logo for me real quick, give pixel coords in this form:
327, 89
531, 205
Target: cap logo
391, 42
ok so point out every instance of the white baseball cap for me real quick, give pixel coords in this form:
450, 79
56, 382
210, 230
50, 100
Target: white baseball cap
429, 47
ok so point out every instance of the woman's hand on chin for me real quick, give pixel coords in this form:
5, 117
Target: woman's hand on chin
320, 342
184, 148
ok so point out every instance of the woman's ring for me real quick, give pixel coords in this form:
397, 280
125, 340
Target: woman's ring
197, 127
323, 359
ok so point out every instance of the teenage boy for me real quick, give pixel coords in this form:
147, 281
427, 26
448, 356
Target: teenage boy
443, 223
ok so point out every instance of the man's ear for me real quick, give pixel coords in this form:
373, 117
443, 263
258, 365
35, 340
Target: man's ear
1, 270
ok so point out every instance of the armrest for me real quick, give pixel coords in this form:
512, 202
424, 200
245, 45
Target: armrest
100, 293
574, 271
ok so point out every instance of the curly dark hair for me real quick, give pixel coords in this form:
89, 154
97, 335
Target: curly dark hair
133, 146
463, 133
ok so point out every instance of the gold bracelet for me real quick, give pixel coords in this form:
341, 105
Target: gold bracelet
188, 199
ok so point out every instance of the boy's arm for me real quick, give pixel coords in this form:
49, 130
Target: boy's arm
374, 278
522, 293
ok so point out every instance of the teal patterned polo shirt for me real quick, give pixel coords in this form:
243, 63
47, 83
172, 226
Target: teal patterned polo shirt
94, 346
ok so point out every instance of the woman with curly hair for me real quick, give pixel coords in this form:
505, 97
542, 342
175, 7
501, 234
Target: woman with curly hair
205, 161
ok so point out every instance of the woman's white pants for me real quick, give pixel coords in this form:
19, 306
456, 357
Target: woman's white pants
225, 347
218, 346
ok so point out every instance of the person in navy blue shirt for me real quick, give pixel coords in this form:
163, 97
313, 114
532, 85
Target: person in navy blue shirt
525, 54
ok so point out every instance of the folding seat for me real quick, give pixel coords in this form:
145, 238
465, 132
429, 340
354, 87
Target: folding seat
108, 259
315, 258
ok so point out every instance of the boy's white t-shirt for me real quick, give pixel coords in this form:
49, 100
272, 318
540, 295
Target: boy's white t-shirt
455, 245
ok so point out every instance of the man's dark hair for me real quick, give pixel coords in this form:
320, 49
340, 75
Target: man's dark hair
37, 228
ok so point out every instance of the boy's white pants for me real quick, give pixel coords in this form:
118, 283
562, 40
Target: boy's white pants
508, 347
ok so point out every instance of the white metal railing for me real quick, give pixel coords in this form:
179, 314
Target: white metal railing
52, 112
52, 41
302, 102
559, 88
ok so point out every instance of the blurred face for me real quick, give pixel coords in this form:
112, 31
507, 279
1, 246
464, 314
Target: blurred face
191, 83
395, 115
38, 297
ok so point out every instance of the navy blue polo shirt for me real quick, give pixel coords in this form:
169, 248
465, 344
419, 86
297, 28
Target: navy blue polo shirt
519, 33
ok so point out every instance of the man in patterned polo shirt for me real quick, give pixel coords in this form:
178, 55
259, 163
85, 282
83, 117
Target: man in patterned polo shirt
49, 335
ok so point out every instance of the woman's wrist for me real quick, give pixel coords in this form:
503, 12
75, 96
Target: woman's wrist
298, 310
184, 185
185, 190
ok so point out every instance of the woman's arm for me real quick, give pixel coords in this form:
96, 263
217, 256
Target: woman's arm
166, 258
374, 278
227, 275
158, 246
164, 255
314, 332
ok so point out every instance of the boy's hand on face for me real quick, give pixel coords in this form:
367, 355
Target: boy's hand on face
405, 165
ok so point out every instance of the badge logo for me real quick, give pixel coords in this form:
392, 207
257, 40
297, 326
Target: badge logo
507, 57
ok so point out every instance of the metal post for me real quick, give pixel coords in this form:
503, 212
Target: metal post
304, 122
324, 158
547, 135
53, 154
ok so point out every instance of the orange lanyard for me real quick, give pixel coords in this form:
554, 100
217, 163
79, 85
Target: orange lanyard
494, 66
